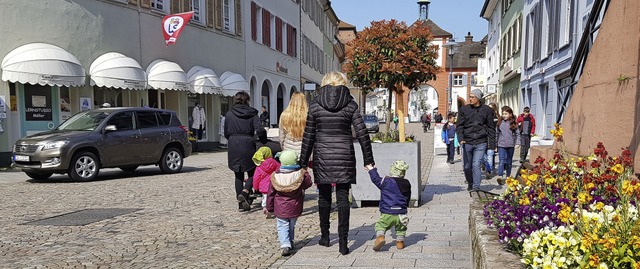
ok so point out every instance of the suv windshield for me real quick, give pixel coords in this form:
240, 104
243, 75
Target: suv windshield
84, 121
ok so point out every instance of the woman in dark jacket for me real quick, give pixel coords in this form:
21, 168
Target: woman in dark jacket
240, 126
328, 135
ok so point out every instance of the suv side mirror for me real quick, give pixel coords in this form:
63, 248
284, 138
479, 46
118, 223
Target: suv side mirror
110, 128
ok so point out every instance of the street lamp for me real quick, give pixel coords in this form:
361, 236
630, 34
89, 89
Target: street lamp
451, 49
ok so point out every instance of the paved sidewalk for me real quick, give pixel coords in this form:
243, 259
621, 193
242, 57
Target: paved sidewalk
438, 234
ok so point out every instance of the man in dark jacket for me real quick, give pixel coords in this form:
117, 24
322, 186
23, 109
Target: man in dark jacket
241, 124
264, 117
328, 135
476, 131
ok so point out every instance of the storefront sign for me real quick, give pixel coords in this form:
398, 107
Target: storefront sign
281, 68
38, 106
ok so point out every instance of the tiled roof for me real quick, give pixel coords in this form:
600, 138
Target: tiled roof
342, 25
436, 31
467, 55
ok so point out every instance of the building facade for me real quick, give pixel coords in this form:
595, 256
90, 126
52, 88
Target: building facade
82, 33
272, 61
319, 25
465, 70
489, 67
552, 31
510, 51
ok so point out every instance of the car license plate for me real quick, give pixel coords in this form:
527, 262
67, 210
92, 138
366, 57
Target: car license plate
20, 158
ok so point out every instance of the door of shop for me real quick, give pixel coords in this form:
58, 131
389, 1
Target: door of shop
40, 108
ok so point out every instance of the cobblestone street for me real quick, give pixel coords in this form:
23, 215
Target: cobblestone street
190, 220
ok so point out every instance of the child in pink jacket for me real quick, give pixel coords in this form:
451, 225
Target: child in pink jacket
265, 166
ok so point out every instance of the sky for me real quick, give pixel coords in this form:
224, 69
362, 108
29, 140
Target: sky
454, 16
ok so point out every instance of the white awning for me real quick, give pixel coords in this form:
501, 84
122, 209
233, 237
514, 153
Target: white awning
162, 74
116, 70
233, 83
44, 64
203, 80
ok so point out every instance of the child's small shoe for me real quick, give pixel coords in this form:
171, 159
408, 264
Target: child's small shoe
399, 244
377, 245
286, 251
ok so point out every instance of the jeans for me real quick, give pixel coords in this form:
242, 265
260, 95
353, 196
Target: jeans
525, 143
490, 160
506, 160
286, 229
472, 162
451, 149
241, 184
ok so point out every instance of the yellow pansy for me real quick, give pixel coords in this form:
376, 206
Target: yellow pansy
548, 179
524, 201
618, 168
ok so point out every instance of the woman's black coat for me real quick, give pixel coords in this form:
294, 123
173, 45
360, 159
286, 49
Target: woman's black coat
328, 134
240, 126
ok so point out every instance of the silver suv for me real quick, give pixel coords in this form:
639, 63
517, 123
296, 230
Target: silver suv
108, 137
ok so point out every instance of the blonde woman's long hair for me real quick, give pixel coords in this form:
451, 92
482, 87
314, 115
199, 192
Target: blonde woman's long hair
294, 117
334, 78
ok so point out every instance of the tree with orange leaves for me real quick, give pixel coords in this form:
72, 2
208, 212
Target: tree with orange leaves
392, 55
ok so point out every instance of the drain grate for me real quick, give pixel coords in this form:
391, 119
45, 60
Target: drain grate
83, 217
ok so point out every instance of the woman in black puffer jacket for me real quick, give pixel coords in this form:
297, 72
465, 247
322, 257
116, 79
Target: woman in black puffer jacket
240, 126
328, 134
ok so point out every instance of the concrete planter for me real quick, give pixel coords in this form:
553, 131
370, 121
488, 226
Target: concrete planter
485, 244
385, 154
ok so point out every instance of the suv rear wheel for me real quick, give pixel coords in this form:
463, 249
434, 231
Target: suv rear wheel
84, 166
171, 161
38, 175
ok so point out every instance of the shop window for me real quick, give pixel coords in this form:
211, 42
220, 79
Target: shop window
13, 101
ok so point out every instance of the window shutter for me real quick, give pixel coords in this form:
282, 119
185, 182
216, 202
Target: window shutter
279, 34
266, 28
186, 5
175, 6
210, 13
133, 2
254, 15
238, 19
464, 80
218, 14
145, 3
294, 42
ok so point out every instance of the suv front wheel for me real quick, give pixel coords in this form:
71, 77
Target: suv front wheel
84, 166
171, 161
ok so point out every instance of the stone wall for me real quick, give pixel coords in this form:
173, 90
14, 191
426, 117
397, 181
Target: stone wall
488, 253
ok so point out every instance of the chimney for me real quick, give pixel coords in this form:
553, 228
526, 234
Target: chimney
468, 39
424, 9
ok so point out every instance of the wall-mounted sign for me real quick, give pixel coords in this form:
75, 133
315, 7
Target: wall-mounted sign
309, 86
85, 103
281, 68
37, 104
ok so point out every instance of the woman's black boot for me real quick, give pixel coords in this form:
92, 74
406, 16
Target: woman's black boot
343, 228
324, 213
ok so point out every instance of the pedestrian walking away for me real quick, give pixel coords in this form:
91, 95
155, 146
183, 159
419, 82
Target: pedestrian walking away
476, 131
527, 127
266, 165
395, 194
292, 122
506, 143
286, 197
426, 121
328, 135
450, 137
240, 126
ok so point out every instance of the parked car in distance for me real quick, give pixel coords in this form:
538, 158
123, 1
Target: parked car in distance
372, 123
123, 137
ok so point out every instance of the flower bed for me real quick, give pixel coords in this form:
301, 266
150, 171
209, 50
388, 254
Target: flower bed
571, 212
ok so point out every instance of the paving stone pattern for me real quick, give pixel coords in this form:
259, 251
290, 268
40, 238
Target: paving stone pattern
190, 220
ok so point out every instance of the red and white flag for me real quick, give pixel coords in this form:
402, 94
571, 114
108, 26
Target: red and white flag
173, 24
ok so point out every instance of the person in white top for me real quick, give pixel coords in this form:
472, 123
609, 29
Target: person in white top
199, 120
